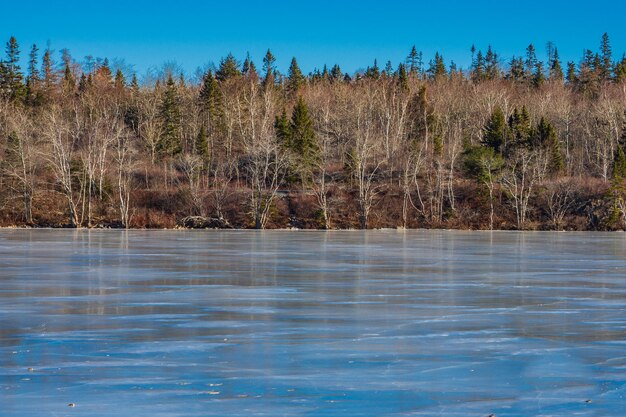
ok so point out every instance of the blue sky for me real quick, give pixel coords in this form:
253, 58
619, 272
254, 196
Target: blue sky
193, 33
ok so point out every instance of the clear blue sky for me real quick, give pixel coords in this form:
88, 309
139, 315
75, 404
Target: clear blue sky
194, 33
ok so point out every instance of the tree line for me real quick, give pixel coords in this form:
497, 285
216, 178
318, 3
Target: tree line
521, 144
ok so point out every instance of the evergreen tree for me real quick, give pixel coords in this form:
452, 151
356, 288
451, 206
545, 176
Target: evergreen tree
335, 73
414, 62
539, 77
556, 71
228, 68
402, 77
478, 68
104, 74
134, 84
521, 127
547, 139
295, 79
437, 67
33, 72
11, 78
69, 83
620, 70
201, 145
530, 64
373, 72
571, 77
47, 69
388, 70
170, 140
516, 70
606, 58
492, 71
495, 131
282, 127
303, 142
120, 80
269, 62
210, 100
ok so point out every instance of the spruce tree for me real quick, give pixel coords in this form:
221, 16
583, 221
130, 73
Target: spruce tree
556, 71
335, 73
170, 141
201, 145
295, 79
571, 77
11, 78
547, 139
495, 131
69, 83
47, 69
414, 62
269, 62
492, 71
33, 72
530, 63
210, 100
402, 77
606, 58
303, 142
516, 70
437, 67
539, 77
228, 68
120, 80
282, 128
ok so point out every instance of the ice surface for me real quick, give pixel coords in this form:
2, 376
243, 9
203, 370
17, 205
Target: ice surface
377, 323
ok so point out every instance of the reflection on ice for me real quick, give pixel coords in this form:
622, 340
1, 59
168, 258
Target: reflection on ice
379, 323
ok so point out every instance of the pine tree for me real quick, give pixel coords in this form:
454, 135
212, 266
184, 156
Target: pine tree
269, 62
546, 138
120, 80
33, 72
282, 128
556, 71
492, 71
571, 77
47, 69
373, 72
303, 141
295, 79
437, 67
516, 70
11, 78
606, 58
620, 70
530, 64
478, 68
539, 77
495, 131
210, 100
414, 62
388, 70
201, 145
228, 68
170, 141
104, 74
335, 73
521, 127
134, 84
69, 83
402, 77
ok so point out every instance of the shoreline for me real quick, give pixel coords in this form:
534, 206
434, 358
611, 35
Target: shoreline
235, 230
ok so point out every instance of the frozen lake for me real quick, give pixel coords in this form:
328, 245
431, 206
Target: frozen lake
378, 323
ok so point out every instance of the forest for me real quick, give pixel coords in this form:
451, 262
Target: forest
507, 143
